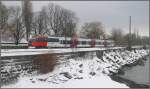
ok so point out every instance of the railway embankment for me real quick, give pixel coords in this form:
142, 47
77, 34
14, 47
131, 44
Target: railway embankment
77, 67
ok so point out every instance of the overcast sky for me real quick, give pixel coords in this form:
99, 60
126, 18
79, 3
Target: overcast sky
113, 14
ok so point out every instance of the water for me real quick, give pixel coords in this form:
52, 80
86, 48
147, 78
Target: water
139, 73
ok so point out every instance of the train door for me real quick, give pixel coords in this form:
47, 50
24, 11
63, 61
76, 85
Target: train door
74, 41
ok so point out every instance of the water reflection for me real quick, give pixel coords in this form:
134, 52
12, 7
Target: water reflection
139, 73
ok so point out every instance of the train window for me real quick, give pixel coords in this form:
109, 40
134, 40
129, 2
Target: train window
68, 42
31, 40
79, 42
44, 39
65, 42
83, 42
108, 43
97, 43
100, 43
40, 39
52, 40
37, 39
61, 42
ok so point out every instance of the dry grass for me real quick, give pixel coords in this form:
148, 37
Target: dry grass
46, 62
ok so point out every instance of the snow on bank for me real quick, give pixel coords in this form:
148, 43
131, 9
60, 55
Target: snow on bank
115, 60
83, 72
70, 74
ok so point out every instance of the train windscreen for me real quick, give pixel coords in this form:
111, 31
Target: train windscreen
52, 39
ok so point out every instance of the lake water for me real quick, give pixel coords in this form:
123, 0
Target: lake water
139, 73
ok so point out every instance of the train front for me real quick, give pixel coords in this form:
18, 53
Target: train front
38, 42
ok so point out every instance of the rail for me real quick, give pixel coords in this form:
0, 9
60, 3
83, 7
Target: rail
25, 52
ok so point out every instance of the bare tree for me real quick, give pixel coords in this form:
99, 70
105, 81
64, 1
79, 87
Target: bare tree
27, 12
16, 24
92, 29
53, 17
136, 40
61, 21
39, 23
117, 36
3, 19
69, 23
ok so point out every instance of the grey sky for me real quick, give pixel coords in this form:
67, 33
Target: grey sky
113, 14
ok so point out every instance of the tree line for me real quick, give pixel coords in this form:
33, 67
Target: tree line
21, 22
18, 22
120, 38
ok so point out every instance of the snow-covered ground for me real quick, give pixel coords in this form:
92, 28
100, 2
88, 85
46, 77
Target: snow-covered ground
80, 72
70, 74
96, 82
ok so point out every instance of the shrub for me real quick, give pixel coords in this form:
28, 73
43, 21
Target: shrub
46, 62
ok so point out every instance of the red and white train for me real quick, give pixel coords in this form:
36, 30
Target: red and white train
61, 42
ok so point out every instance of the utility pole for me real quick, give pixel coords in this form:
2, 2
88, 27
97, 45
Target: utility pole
137, 32
129, 40
0, 41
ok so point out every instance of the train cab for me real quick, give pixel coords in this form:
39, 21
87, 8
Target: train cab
38, 42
